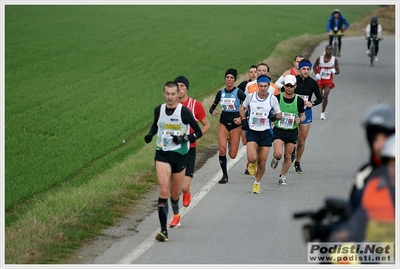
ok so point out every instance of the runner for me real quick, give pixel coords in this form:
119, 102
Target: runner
230, 98
306, 88
263, 109
171, 124
199, 115
292, 71
325, 67
285, 130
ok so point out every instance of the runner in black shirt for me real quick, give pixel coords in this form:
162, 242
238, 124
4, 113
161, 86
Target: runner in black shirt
306, 88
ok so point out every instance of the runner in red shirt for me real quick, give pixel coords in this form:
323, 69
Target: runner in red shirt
199, 115
325, 67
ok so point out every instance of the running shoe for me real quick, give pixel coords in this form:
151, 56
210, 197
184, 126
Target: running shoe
274, 163
223, 180
256, 188
252, 169
162, 236
339, 54
176, 221
246, 169
282, 180
187, 198
297, 168
293, 158
323, 116
367, 52
376, 58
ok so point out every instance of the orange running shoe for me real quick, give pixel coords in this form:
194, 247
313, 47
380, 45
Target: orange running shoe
176, 221
187, 198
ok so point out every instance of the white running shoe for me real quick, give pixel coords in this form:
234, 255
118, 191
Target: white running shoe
367, 52
282, 180
323, 116
376, 58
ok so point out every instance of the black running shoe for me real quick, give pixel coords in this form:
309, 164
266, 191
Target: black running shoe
162, 236
223, 180
297, 168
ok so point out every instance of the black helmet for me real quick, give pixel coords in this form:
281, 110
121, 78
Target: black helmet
374, 19
380, 118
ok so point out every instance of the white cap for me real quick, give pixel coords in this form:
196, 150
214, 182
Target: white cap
290, 79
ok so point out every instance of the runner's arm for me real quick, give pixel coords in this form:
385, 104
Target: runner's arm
315, 66
337, 67
300, 109
154, 127
202, 116
215, 103
281, 79
187, 118
317, 94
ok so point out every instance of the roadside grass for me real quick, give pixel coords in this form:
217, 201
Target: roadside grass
49, 226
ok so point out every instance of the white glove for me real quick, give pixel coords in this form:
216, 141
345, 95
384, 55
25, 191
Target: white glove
317, 77
333, 70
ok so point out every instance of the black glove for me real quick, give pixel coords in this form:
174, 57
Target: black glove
148, 138
192, 137
179, 139
245, 125
272, 117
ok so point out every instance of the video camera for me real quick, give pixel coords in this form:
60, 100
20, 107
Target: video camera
322, 220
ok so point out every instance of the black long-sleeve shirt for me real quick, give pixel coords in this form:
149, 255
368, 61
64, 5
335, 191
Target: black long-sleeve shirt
308, 86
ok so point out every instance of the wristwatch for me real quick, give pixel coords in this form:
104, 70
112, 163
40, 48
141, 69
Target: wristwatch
186, 137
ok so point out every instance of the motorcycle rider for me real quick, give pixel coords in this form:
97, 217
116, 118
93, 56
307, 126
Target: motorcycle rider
379, 122
374, 218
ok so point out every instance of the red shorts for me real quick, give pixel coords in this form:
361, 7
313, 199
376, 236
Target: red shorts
325, 83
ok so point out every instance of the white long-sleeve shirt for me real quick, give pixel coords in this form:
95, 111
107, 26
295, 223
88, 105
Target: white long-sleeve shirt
368, 30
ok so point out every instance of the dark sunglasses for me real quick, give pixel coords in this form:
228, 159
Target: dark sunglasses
289, 85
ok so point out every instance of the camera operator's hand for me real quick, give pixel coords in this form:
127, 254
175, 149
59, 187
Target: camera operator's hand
179, 139
245, 124
272, 117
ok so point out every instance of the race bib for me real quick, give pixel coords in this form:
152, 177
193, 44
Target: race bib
228, 104
167, 142
305, 99
259, 119
325, 74
287, 121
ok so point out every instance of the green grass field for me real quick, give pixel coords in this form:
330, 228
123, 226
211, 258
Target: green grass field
80, 80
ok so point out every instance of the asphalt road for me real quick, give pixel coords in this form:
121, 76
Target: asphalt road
227, 224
